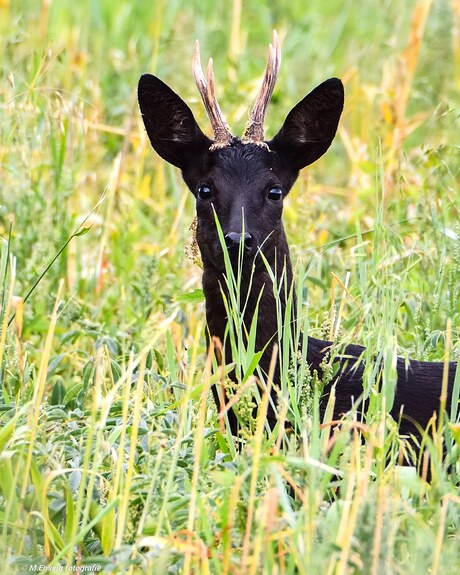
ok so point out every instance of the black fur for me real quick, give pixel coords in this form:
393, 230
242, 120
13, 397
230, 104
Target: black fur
240, 176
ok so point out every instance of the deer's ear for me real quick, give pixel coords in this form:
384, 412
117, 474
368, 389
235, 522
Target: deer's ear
311, 125
171, 127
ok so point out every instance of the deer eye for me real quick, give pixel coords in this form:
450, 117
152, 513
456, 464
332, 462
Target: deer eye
275, 194
205, 192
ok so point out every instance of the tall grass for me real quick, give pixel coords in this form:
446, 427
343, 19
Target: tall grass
112, 453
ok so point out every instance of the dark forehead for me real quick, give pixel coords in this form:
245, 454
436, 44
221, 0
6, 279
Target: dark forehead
239, 161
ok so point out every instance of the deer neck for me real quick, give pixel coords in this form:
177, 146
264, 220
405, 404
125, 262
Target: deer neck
257, 294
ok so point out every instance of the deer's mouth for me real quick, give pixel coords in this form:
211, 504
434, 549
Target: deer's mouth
244, 251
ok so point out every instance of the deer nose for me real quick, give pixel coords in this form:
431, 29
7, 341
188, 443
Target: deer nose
234, 239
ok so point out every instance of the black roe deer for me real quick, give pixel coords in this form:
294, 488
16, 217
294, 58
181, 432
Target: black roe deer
243, 182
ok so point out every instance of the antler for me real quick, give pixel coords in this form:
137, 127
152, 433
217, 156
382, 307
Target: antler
222, 134
254, 131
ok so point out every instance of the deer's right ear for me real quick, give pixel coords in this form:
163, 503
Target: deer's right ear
171, 127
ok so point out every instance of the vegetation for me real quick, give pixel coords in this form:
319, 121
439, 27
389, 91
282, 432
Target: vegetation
112, 457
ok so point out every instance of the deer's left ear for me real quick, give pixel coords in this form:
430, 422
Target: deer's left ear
170, 125
310, 126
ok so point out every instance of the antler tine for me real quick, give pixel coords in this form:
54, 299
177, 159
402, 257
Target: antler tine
254, 131
222, 134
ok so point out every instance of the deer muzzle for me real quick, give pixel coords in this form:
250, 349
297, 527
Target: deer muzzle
233, 241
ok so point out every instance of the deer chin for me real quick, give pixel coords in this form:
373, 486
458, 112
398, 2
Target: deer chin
242, 264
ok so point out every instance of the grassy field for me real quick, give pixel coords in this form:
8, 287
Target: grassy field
111, 456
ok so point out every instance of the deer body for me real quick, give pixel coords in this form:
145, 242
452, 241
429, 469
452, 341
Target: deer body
243, 183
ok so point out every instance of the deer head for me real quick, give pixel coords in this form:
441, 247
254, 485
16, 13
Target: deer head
242, 181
